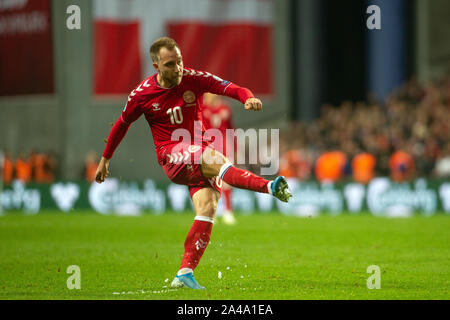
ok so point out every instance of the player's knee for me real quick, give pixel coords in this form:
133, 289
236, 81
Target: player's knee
210, 170
207, 209
205, 202
212, 161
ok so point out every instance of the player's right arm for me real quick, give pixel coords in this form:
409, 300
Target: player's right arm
130, 113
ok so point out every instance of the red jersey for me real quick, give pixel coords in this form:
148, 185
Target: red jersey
218, 117
168, 109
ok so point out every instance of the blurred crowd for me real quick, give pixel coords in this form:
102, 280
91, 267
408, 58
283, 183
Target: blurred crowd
405, 137
39, 167
29, 167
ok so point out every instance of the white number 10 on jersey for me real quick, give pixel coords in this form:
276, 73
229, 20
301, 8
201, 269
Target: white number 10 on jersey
176, 116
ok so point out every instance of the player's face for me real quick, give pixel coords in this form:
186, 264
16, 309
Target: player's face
170, 66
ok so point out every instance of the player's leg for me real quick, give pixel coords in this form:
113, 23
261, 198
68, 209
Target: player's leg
228, 216
215, 163
205, 206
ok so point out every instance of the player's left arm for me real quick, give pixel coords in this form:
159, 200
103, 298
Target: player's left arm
244, 95
218, 86
254, 104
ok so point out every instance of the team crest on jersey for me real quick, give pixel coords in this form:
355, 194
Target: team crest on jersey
188, 96
156, 107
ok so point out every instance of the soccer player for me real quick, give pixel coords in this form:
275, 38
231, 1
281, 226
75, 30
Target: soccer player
217, 115
171, 102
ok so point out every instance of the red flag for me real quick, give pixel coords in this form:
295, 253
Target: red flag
239, 52
117, 57
230, 38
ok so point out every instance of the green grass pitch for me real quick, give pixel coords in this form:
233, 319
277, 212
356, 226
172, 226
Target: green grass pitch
264, 256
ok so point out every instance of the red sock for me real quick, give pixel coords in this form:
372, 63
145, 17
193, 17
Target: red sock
227, 199
243, 179
196, 241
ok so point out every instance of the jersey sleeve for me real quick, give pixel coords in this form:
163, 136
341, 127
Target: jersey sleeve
131, 112
213, 84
